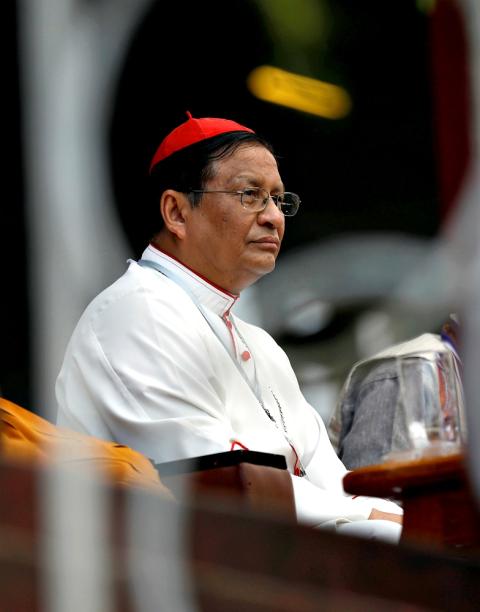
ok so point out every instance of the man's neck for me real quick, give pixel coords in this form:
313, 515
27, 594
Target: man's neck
168, 248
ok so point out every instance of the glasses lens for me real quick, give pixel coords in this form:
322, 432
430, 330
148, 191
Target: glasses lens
254, 198
289, 203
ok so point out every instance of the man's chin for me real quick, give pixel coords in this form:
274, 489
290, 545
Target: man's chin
265, 266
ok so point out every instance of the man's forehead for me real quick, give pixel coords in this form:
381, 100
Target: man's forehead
255, 167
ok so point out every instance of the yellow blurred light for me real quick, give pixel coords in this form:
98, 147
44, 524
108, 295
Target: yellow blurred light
299, 92
427, 6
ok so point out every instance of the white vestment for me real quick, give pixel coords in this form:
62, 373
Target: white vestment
154, 364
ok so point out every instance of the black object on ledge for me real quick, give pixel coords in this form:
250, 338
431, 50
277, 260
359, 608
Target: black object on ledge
218, 460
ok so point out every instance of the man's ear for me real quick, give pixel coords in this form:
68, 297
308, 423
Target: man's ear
174, 208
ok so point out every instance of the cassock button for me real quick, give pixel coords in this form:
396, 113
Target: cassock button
246, 355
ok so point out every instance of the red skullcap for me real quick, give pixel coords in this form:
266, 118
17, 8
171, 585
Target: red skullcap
192, 131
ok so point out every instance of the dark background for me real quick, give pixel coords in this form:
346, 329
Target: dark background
373, 170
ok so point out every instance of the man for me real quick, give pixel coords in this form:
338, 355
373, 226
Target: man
368, 422
159, 362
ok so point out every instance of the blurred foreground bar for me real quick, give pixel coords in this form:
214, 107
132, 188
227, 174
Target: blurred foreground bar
237, 559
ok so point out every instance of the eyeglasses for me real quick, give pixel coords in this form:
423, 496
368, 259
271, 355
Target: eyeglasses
255, 199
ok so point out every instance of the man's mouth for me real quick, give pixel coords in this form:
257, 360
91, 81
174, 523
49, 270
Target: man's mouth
268, 242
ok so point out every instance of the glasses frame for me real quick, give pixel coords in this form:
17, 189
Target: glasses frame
265, 200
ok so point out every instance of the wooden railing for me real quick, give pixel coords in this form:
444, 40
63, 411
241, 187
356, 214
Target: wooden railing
239, 558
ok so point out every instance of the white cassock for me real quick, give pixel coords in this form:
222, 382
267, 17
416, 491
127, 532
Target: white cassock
158, 362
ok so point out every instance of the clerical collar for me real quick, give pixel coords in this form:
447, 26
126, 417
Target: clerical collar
208, 294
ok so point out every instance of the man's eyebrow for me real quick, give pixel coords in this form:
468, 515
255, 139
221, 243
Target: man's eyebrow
256, 182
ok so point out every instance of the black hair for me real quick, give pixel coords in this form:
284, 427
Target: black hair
192, 167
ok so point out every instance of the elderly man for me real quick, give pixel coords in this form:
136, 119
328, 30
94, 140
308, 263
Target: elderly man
159, 362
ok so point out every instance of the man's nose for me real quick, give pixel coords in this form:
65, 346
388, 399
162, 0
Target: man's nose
272, 215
